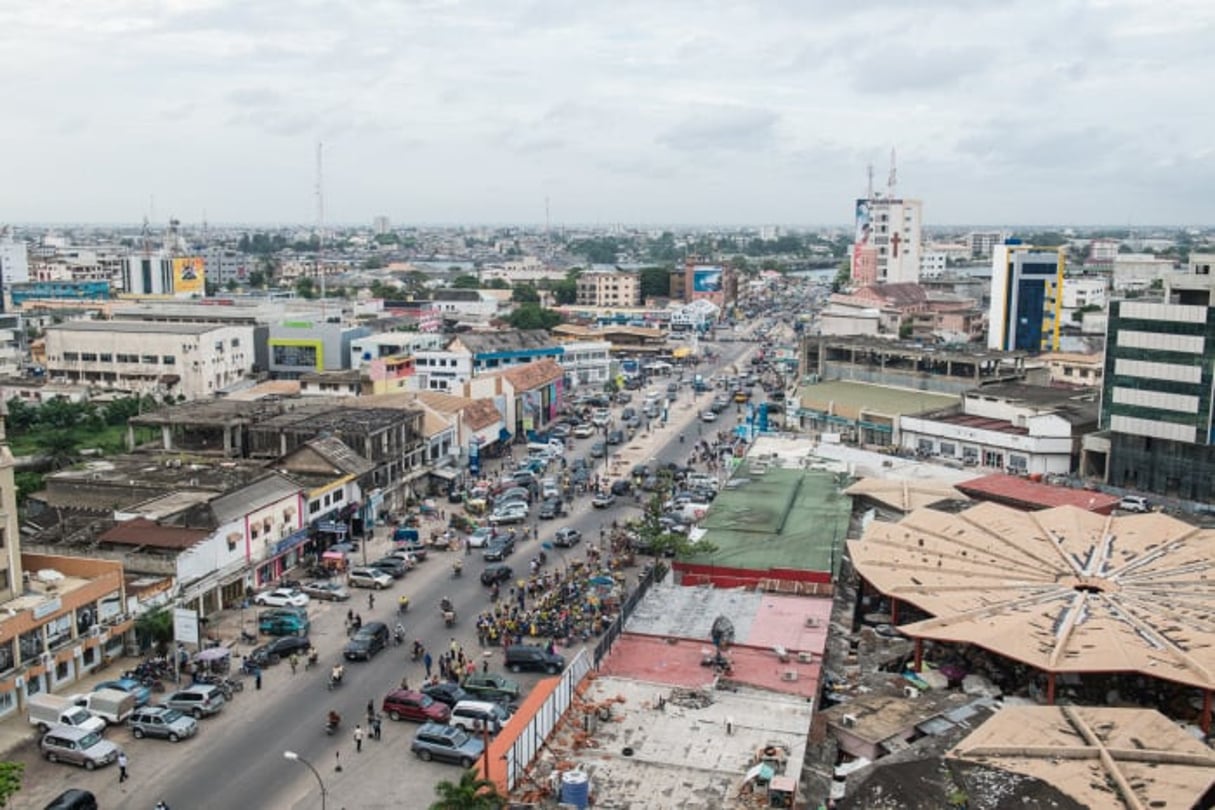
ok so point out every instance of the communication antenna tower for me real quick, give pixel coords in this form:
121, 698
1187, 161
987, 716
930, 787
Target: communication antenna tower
869, 187
893, 180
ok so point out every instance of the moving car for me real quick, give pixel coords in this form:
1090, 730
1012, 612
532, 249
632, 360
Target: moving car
480, 537
280, 648
368, 641
622, 487
496, 573
598, 450
601, 417
368, 578
532, 658
402, 704
159, 721
282, 624
615, 437
446, 744
603, 500
490, 686
395, 567
328, 591
499, 548
550, 509
708, 416
511, 513
567, 537
282, 597
73, 799
584, 430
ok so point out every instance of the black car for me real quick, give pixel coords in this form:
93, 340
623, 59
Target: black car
615, 437
499, 548
279, 649
520, 657
372, 638
393, 566
497, 573
73, 799
552, 508
622, 487
446, 692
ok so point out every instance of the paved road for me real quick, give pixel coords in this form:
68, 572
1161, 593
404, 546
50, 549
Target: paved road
237, 759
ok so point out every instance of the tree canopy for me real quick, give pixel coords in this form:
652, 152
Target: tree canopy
470, 793
533, 316
466, 282
525, 293
655, 282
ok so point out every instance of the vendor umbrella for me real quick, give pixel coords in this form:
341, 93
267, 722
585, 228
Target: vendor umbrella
605, 581
213, 654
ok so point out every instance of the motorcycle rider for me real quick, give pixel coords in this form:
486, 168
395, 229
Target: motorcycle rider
333, 720
335, 675
398, 633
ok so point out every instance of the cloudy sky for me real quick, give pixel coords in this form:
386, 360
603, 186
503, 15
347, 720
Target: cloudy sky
657, 111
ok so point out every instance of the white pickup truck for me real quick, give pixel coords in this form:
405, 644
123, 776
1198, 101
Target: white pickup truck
56, 710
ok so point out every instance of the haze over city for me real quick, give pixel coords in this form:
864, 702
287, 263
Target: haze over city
673, 112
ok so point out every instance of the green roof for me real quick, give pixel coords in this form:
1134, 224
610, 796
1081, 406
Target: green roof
777, 518
847, 399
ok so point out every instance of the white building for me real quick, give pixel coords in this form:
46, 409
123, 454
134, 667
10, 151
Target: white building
162, 274
982, 242
1137, 271
609, 288
1080, 292
364, 350
888, 241
441, 370
1014, 427
933, 263
586, 362
190, 360
14, 263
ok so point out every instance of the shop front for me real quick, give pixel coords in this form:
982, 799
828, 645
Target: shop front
284, 555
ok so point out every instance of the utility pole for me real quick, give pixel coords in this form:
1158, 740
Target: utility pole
320, 221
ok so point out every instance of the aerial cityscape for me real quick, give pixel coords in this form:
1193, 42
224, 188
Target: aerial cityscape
469, 406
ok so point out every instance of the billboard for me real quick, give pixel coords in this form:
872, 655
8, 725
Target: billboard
188, 273
706, 278
864, 224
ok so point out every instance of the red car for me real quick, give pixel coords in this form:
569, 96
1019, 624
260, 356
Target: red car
401, 704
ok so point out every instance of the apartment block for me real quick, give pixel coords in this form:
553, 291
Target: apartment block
609, 288
1026, 298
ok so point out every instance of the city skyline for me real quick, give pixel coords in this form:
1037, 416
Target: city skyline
474, 112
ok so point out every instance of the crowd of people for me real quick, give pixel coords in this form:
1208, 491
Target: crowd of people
574, 603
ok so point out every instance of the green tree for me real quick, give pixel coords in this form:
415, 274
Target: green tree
11, 774
154, 627
843, 277
232, 285
525, 294
27, 483
497, 284
374, 263
21, 416
305, 288
655, 282
533, 316
415, 280
905, 330
470, 793
653, 537
257, 280
60, 448
466, 282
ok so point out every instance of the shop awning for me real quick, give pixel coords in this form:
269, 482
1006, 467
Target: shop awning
446, 473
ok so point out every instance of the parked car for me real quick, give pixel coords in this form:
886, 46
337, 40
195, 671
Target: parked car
622, 487
603, 500
141, 693
497, 573
708, 416
329, 591
164, 723
511, 513
551, 509
477, 715
584, 430
402, 704
199, 700
368, 578
532, 658
73, 799
1134, 503
615, 437
559, 430
282, 624
513, 494
280, 648
601, 417
282, 597
445, 692
446, 744
598, 450
395, 567
369, 640
567, 537
490, 686
499, 548
77, 746
480, 537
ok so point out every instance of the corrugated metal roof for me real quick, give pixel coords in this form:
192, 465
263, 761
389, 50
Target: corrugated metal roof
1025, 494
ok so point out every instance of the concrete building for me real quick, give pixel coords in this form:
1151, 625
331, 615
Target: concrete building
1134, 272
14, 266
586, 362
1080, 292
12, 345
1156, 399
933, 263
888, 241
1013, 427
224, 266
703, 280
983, 242
1070, 368
299, 347
1026, 298
162, 274
190, 360
10, 537
472, 353
1104, 251
609, 288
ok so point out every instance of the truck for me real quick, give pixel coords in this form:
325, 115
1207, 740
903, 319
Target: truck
112, 705
56, 710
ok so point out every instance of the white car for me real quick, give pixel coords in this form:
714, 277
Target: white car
601, 417
368, 578
511, 513
584, 430
282, 597
708, 416
480, 537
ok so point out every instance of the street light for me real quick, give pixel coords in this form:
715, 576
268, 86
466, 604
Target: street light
294, 757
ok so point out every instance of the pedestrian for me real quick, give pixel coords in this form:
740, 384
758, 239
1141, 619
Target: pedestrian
122, 767
370, 711
405, 683
370, 600
484, 665
455, 646
358, 739
375, 728
295, 662
257, 678
427, 661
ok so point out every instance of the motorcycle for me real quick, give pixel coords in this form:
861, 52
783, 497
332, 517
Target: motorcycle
402, 604
335, 680
457, 569
398, 636
247, 637
312, 658
418, 651
331, 724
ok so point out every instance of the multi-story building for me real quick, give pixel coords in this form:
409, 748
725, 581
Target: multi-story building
224, 265
10, 540
705, 281
586, 362
473, 353
1103, 251
933, 263
1026, 298
12, 345
161, 274
888, 241
1157, 394
190, 360
609, 288
14, 266
1069, 368
1083, 293
1134, 272
299, 347
982, 242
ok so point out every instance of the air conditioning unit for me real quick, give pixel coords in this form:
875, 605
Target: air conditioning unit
911, 692
96, 630
47, 659
849, 720
789, 675
805, 658
811, 621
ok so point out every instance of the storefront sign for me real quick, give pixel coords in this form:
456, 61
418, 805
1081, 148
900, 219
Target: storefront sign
185, 625
290, 541
44, 609
474, 458
331, 526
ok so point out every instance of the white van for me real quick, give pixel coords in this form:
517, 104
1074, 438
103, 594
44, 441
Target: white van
475, 715
47, 711
546, 450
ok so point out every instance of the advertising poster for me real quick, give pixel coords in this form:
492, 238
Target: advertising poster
188, 276
864, 227
706, 279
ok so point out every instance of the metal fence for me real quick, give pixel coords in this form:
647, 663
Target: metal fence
521, 753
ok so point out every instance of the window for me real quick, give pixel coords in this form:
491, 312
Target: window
106, 357
70, 357
235, 342
168, 360
924, 445
1018, 463
88, 357
993, 458
948, 449
150, 359
314, 507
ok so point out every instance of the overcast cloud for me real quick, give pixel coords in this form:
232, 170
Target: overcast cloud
655, 111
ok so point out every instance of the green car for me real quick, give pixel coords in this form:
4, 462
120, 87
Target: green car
283, 624
491, 686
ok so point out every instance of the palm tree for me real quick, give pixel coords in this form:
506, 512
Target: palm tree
470, 793
60, 448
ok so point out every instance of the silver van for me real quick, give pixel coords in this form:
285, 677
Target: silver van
475, 715
77, 746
